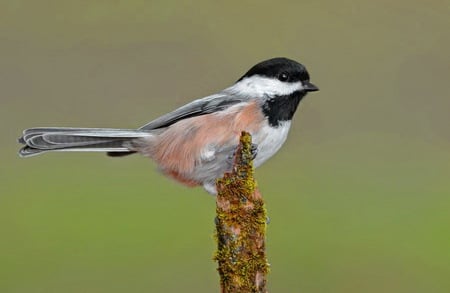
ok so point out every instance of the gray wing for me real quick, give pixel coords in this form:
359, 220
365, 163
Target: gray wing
207, 105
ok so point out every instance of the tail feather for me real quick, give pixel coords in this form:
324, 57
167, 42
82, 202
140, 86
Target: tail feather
40, 140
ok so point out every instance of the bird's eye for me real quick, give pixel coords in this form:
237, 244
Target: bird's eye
283, 76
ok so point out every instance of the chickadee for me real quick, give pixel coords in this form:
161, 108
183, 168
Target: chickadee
194, 143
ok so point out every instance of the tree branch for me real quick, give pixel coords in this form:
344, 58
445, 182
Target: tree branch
241, 226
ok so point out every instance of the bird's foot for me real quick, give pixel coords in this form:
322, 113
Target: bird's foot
253, 150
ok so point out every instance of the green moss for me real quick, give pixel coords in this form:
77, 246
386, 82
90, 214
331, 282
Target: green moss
241, 226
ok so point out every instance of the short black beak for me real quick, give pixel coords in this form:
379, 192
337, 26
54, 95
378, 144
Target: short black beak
309, 87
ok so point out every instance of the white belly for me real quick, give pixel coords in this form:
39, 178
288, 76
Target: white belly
269, 140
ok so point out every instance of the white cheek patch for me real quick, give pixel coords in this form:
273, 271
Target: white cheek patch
258, 86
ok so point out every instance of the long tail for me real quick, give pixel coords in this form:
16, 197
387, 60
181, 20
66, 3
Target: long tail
113, 141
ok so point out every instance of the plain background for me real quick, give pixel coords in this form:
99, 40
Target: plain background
359, 196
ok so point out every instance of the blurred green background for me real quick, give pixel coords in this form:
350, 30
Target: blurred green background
359, 197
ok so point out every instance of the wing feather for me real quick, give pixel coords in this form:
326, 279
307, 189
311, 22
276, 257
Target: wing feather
207, 105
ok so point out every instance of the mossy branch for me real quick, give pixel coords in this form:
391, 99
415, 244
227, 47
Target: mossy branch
241, 226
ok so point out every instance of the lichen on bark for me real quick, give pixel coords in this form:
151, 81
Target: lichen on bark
241, 226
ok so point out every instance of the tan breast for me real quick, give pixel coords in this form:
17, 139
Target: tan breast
178, 149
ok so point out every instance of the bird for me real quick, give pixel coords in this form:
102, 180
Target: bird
195, 143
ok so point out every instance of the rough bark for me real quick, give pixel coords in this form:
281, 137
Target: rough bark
241, 226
